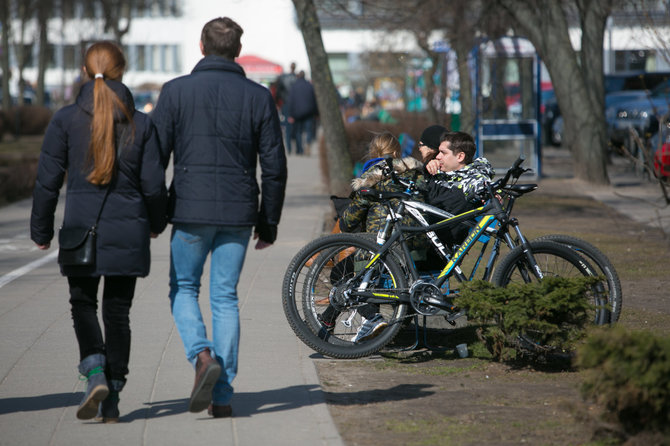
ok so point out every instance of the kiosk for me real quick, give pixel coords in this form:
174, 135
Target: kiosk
507, 102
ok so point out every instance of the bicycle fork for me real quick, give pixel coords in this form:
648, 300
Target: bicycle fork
534, 267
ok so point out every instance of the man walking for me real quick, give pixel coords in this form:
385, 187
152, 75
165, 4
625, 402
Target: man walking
218, 125
301, 108
285, 82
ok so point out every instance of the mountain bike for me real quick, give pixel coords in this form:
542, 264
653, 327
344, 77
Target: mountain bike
346, 271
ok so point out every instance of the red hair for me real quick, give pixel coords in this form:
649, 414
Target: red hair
104, 60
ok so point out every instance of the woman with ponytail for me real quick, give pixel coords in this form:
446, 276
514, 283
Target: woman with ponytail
110, 154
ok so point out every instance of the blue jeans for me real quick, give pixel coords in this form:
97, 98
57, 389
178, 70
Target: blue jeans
189, 246
298, 129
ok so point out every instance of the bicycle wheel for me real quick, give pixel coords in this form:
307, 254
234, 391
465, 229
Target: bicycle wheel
603, 265
318, 295
553, 259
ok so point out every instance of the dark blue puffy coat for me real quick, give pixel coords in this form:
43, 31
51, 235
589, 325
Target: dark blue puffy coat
217, 124
137, 199
301, 103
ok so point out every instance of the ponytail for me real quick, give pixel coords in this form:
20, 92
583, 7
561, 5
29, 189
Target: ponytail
104, 60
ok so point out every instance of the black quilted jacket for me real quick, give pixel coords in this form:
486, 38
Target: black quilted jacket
218, 126
137, 200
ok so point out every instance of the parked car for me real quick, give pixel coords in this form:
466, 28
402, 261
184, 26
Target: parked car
620, 87
641, 114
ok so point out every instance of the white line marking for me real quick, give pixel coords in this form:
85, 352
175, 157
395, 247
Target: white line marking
4, 280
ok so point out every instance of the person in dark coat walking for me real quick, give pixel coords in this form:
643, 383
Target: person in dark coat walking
110, 154
301, 109
218, 126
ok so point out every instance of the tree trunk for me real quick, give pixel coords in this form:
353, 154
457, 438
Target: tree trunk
115, 11
4, 17
467, 104
43, 9
461, 35
434, 114
546, 26
340, 166
19, 51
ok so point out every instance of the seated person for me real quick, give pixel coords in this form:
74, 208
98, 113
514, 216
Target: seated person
429, 146
459, 180
369, 216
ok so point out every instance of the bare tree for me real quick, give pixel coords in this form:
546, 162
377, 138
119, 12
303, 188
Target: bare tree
117, 16
44, 7
5, 19
25, 12
654, 21
339, 159
577, 76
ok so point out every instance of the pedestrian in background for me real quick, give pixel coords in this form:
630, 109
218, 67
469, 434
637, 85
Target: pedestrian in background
110, 154
285, 82
218, 126
301, 109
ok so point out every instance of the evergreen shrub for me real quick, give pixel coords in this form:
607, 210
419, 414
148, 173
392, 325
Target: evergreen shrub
535, 319
628, 373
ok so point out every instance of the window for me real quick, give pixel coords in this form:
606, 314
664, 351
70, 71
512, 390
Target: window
631, 60
168, 57
69, 57
157, 59
176, 58
51, 55
140, 58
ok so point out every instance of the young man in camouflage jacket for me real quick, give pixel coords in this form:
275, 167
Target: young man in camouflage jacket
459, 181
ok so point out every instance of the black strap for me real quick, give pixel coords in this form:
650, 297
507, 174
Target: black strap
102, 206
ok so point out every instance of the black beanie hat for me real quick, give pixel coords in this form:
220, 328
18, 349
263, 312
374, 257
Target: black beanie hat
431, 136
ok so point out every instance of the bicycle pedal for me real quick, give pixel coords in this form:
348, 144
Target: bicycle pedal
451, 319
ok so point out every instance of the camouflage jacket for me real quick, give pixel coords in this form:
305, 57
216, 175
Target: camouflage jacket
457, 192
464, 185
367, 215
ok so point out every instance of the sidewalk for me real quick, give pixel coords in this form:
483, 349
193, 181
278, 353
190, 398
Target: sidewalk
278, 398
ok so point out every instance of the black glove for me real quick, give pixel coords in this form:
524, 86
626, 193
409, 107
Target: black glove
266, 232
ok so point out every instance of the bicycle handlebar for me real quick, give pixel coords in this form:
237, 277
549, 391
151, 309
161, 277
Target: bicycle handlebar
513, 172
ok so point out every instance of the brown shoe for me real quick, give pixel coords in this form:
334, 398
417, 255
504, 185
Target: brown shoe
207, 371
220, 411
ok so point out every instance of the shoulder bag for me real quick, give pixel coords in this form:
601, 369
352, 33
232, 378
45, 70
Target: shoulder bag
77, 243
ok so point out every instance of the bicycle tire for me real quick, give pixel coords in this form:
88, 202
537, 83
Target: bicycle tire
315, 272
600, 260
557, 260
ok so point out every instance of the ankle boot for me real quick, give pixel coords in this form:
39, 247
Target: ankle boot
108, 410
92, 368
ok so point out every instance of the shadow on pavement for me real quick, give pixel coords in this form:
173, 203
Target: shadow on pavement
156, 409
41, 402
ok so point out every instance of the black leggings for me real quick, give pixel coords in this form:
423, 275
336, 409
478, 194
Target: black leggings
117, 296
